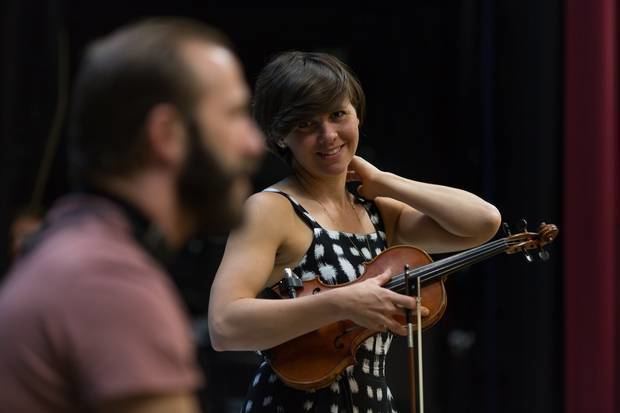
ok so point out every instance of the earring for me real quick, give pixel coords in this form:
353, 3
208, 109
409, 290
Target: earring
281, 143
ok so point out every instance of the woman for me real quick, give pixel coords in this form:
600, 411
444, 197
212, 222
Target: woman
310, 107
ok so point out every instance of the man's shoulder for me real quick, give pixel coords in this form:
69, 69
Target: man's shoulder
83, 229
88, 246
85, 271
88, 256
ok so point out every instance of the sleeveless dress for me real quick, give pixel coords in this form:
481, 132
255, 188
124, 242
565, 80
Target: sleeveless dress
335, 257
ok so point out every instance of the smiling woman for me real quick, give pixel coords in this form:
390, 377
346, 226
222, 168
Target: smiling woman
310, 107
324, 143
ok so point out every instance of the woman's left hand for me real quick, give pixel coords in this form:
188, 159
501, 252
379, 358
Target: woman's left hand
360, 170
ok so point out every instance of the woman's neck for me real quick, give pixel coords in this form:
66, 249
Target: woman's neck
324, 189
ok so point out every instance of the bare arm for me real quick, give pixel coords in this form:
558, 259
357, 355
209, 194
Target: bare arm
179, 403
433, 217
240, 321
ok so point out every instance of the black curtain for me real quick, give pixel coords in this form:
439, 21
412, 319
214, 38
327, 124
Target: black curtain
463, 93
33, 68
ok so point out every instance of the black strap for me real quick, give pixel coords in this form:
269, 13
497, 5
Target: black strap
369, 206
303, 214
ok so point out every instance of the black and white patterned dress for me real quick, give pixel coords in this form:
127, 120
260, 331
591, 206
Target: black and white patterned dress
335, 257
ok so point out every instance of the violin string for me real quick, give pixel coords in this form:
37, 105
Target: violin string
458, 258
464, 259
442, 263
450, 264
427, 274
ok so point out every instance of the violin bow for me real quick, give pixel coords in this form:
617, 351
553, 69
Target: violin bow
412, 344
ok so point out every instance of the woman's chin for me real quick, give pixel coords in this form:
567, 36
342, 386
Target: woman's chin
334, 171
334, 167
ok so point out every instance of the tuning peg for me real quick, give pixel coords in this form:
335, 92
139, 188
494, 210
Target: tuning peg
506, 228
523, 224
528, 256
543, 254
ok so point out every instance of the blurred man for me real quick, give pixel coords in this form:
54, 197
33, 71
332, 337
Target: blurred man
162, 145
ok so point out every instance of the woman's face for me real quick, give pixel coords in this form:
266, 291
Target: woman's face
326, 143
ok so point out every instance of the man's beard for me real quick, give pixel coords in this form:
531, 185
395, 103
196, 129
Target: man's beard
206, 188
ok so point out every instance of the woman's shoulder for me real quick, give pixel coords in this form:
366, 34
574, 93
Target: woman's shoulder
277, 192
266, 201
273, 200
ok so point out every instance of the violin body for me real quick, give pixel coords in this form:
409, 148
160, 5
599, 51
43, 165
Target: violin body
314, 360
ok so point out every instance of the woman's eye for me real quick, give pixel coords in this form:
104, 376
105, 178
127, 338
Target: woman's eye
304, 125
339, 114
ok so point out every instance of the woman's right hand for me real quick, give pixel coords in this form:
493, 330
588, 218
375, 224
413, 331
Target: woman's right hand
370, 305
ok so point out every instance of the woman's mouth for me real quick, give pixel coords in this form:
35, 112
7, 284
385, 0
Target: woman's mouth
331, 152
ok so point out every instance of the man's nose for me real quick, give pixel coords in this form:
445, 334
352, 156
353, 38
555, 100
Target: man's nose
255, 142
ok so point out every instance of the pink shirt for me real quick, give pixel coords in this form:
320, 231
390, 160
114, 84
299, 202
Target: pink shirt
89, 316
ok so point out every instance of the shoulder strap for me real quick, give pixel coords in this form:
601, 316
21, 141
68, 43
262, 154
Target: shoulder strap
303, 214
373, 213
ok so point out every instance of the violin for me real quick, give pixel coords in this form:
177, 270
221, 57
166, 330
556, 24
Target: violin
315, 359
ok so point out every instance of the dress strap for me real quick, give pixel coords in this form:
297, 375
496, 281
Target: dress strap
303, 214
373, 213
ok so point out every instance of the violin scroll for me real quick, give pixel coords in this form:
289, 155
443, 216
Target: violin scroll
526, 241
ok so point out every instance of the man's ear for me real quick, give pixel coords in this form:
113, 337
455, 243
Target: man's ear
165, 134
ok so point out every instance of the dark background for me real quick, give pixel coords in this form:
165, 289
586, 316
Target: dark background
464, 93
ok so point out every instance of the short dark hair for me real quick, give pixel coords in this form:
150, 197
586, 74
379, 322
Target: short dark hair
121, 78
296, 85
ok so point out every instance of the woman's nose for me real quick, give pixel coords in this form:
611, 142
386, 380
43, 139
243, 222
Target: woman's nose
328, 131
